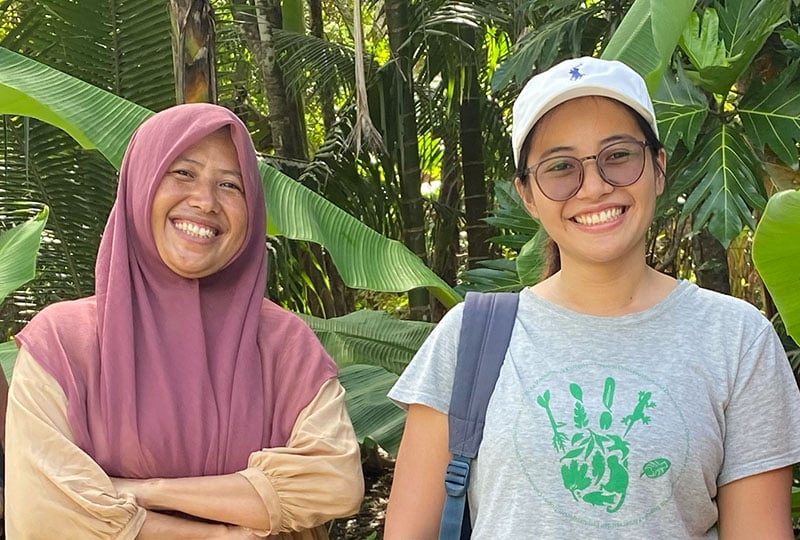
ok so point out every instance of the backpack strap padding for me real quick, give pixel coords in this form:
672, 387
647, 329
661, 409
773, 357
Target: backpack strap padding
486, 327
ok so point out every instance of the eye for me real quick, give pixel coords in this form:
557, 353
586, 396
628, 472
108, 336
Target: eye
557, 166
231, 184
183, 173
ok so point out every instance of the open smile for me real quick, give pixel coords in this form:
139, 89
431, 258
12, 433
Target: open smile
598, 218
195, 229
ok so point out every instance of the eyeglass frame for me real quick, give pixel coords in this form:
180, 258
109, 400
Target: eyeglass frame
533, 168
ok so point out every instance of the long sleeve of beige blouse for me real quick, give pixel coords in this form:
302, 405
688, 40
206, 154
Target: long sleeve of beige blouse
55, 490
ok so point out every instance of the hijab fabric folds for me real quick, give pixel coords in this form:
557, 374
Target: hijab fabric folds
167, 376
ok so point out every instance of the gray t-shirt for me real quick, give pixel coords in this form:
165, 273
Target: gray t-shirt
620, 427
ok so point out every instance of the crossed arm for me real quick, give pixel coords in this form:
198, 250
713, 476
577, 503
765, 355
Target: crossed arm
55, 490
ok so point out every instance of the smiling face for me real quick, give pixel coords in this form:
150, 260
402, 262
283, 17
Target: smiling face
199, 212
601, 223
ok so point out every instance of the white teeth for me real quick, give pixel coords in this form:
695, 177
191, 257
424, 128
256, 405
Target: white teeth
195, 230
600, 217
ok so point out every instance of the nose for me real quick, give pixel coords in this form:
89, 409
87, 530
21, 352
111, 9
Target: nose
593, 185
203, 196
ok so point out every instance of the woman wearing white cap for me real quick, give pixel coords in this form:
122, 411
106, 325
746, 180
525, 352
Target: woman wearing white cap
629, 404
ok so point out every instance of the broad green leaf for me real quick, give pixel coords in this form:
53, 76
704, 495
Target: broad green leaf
701, 43
370, 337
374, 416
724, 170
364, 258
770, 114
681, 110
101, 120
18, 249
96, 119
776, 255
647, 37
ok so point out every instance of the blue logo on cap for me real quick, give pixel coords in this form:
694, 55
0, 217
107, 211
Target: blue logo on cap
575, 73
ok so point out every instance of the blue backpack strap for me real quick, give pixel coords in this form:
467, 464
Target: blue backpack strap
486, 326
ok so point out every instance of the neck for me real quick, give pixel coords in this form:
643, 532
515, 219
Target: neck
605, 289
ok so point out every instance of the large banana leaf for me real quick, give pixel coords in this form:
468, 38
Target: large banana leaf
18, 248
101, 120
776, 254
372, 337
647, 36
374, 417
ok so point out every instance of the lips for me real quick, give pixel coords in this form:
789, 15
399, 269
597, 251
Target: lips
597, 218
195, 229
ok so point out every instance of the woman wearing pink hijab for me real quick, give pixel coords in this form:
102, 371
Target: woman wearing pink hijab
177, 402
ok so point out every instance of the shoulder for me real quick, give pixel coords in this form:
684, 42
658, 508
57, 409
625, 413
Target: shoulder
275, 318
723, 308
65, 320
289, 336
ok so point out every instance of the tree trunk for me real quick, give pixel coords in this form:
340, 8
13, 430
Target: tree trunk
411, 199
710, 262
475, 189
445, 233
286, 116
193, 51
328, 111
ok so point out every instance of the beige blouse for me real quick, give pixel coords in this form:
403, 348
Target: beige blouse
55, 490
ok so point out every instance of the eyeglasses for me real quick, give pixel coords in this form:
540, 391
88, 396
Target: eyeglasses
561, 177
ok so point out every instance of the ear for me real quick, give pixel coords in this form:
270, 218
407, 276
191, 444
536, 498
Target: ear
661, 168
525, 192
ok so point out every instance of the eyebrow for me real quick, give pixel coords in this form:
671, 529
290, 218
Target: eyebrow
233, 172
608, 140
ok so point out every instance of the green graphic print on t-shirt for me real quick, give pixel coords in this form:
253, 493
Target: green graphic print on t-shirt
594, 460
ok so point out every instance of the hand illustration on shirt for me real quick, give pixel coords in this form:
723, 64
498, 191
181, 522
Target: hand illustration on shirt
595, 467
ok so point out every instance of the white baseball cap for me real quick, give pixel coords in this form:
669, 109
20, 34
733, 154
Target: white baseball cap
575, 78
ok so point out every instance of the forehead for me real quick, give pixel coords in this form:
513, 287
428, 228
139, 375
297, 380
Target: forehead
584, 120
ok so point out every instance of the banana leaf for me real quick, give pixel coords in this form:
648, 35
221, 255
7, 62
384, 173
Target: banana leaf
18, 249
647, 36
776, 255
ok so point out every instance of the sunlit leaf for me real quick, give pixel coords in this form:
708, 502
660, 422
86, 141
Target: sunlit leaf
18, 249
701, 43
776, 255
647, 36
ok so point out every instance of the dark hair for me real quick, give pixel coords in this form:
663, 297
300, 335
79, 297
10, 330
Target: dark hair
551, 254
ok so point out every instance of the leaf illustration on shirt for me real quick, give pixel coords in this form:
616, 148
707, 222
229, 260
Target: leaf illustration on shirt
657, 467
594, 461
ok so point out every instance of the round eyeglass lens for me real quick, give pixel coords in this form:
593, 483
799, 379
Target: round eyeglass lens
619, 164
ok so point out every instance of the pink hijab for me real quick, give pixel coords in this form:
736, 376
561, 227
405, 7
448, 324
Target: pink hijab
167, 376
